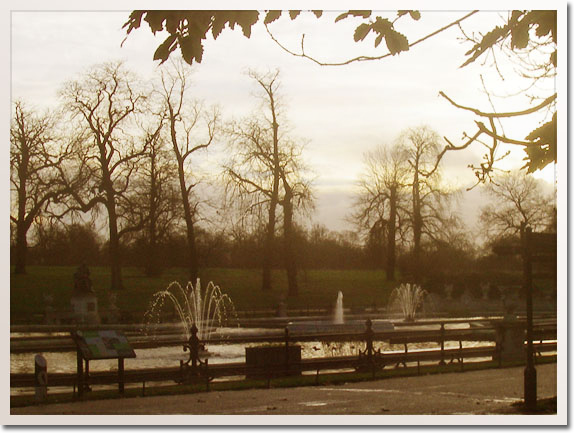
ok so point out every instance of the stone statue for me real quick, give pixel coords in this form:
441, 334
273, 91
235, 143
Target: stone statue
485, 288
509, 306
82, 282
84, 302
448, 291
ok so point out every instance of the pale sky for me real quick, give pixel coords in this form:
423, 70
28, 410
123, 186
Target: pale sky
340, 112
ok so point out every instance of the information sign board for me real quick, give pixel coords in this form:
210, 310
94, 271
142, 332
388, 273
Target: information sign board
103, 345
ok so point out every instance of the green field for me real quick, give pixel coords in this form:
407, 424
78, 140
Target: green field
318, 288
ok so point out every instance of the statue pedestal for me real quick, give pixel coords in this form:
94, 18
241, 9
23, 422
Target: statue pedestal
85, 308
510, 338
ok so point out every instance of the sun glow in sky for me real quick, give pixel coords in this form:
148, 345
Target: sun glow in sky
340, 113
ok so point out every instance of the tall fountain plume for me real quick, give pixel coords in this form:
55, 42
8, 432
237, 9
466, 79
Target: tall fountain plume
338, 317
207, 310
409, 298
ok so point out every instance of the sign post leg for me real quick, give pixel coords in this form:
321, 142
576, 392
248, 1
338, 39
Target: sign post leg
87, 376
121, 375
79, 374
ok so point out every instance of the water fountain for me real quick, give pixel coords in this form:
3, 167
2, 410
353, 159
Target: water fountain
337, 324
338, 317
409, 298
207, 310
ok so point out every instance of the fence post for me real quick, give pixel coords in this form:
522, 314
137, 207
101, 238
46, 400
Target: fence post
79, 373
194, 345
442, 362
369, 339
369, 342
207, 374
406, 354
286, 350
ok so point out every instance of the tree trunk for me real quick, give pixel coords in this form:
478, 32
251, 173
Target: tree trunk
190, 233
268, 249
391, 233
152, 264
417, 229
114, 250
269, 241
21, 249
114, 239
192, 253
22, 225
289, 248
417, 272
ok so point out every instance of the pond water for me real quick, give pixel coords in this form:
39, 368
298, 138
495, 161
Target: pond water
169, 356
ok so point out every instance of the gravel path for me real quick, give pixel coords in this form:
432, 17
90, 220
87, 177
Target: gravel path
480, 392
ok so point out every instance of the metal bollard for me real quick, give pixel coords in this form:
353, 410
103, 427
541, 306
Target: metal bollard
40, 379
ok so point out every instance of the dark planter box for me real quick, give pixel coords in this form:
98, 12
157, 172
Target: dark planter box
272, 361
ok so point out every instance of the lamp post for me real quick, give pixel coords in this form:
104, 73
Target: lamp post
530, 373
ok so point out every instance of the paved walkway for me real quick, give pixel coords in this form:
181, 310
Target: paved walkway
479, 392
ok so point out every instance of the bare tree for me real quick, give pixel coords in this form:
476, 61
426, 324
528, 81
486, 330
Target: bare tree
255, 169
267, 168
382, 188
423, 145
158, 194
269, 84
518, 200
191, 129
101, 105
297, 191
35, 155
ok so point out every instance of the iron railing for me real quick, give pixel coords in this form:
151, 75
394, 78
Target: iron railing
370, 359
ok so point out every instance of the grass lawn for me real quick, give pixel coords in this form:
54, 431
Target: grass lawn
318, 288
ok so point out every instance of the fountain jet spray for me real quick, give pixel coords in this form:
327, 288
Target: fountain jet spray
207, 310
409, 298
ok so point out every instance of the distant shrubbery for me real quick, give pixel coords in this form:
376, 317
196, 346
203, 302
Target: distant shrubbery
318, 248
